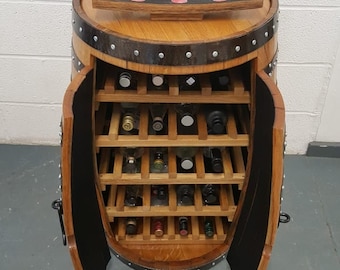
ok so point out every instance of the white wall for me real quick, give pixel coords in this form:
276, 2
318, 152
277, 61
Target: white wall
35, 69
309, 39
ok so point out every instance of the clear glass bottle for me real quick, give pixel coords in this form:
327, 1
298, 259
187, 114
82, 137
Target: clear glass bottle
158, 160
186, 113
130, 117
132, 157
125, 79
186, 155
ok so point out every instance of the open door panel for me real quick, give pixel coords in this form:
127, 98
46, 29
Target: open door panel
259, 216
83, 224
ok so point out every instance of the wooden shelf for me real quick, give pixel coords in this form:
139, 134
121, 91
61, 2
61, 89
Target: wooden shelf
108, 129
233, 173
171, 235
234, 92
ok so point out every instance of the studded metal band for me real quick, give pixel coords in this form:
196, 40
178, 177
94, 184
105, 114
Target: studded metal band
140, 267
272, 65
179, 54
77, 64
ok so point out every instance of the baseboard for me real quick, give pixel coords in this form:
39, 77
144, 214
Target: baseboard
324, 149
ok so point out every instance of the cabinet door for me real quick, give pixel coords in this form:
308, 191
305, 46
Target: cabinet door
259, 215
82, 218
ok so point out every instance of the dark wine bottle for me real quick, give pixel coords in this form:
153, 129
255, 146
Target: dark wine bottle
185, 194
219, 80
132, 157
216, 118
133, 195
210, 194
214, 159
183, 226
131, 225
159, 195
158, 112
188, 83
158, 226
209, 227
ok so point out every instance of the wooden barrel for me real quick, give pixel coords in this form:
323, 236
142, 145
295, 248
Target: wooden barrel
232, 57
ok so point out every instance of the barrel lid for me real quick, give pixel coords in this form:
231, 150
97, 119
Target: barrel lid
134, 38
177, 9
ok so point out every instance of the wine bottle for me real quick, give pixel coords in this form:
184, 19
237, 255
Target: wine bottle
130, 117
186, 113
131, 225
126, 80
216, 118
158, 112
214, 159
131, 156
183, 226
186, 155
133, 195
158, 226
185, 194
159, 195
208, 227
210, 194
188, 83
219, 80
158, 160
157, 80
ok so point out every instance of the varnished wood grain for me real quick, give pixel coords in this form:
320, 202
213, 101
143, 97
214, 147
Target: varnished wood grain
173, 11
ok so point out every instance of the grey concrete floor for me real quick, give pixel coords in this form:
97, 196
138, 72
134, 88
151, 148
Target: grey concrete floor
30, 235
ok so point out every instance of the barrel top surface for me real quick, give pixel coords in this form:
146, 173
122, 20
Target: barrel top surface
133, 37
213, 27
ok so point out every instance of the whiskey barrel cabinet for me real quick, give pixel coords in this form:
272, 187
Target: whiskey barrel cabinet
229, 51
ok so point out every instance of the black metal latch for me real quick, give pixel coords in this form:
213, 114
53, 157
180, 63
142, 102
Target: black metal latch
58, 205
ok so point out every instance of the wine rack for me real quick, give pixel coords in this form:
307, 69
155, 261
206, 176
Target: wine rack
232, 142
